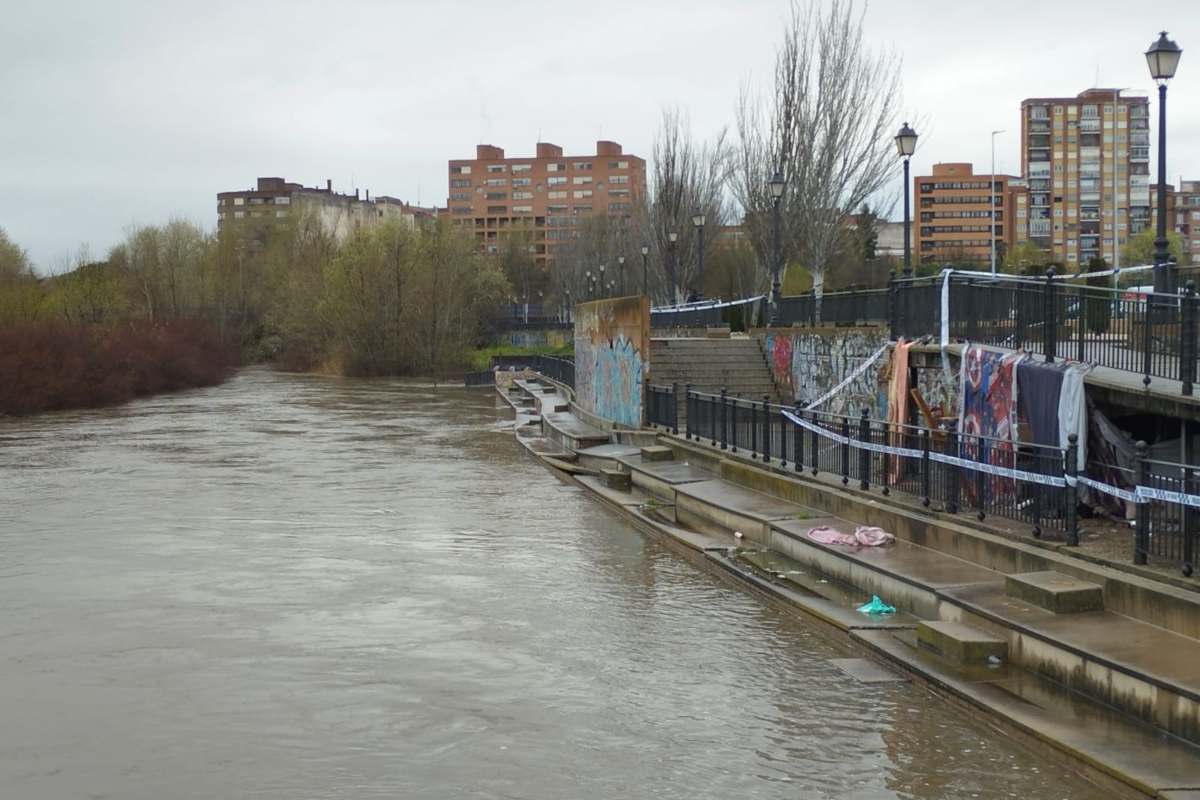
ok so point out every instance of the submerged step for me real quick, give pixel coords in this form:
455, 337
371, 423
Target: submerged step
959, 643
657, 453
1055, 592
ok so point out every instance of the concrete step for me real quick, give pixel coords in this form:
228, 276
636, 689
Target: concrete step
1055, 592
659, 478
616, 479
604, 456
723, 507
961, 644
657, 452
571, 433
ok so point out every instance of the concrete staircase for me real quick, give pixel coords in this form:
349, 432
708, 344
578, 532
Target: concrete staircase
735, 364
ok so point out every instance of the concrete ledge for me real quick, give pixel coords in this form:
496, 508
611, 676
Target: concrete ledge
1055, 592
657, 453
961, 644
616, 479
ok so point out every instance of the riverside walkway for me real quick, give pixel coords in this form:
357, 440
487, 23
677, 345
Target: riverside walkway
1099, 663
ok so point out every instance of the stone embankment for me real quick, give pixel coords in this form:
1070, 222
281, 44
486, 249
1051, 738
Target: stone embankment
1098, 663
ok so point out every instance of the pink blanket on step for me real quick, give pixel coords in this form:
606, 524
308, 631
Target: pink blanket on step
863, 536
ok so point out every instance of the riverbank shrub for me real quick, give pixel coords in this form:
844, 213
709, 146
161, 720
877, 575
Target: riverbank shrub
51, 365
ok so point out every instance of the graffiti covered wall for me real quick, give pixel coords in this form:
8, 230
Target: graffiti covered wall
549, 337
612, 357
808, 364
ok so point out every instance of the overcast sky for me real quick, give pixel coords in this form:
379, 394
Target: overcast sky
120, 113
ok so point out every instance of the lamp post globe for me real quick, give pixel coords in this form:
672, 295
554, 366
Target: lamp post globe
1163, 59
645, 273
672, 238
776, 185
698, 221
906, 145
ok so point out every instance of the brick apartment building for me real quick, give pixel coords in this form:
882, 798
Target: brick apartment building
549, 194
1087, 163
275, 200
954, 214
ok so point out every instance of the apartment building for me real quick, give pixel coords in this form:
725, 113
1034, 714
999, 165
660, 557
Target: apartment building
273, 201
957, 209
1087, 162
548, 194
1183, 216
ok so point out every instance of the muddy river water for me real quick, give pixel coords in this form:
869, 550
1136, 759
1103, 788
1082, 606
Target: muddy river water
302, 587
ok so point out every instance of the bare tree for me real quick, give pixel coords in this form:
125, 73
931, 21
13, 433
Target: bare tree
827, 123
687, 176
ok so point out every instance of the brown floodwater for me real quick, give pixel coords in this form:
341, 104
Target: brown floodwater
303, 587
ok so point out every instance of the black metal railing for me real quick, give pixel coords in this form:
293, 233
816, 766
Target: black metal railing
1026, 483
555, 367
484, 378
837, 308
698, 315
662, 408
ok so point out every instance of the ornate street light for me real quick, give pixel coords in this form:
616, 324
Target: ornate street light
672, 238
645, 274
621, 273
1163, 60
906, 145
698, 221
777, 184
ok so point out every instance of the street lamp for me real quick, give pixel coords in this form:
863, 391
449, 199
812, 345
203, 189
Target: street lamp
645, 274
590, 281
603, 285
698, 221
672, 238
621, 273
906, 145
1163, 59
568, 306
777, 185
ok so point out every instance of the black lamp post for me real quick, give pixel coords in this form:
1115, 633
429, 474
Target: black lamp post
603, 285
621, 274
698, 221
591, 283
672, 238
645, 274
777, 185
906, 145
568, 306
1163, 58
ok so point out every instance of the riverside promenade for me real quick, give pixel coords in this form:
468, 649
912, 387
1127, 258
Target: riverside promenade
1098, 663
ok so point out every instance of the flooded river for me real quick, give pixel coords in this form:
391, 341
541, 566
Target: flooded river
301, 587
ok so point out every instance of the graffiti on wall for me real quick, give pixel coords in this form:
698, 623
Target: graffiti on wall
612, 354
807, 365
555, 337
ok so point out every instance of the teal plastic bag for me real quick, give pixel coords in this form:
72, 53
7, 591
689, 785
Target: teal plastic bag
876, 606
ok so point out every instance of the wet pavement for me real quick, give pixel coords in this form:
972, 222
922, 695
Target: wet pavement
303, 587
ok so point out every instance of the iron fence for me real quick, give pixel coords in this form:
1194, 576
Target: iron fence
662, 410
991, 477
475, 379
837, 308
554, 367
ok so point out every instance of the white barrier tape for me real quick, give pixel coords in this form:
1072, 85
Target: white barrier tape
966, 463
704, 306
859, 370
1150, 493
1128, 495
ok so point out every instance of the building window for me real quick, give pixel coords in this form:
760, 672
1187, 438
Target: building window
460, 196
556, 180
521, 167
256, 201
282, 214
282, 201
583, 193
522, 209
495, 168
584, 179
497, 195
522, 181
556, 167
463, 170
581, 165
618, 193
522, 196
496, 182
239, 214
460, 183
618, 165
618, 179
556, 195
461, 210
497, 210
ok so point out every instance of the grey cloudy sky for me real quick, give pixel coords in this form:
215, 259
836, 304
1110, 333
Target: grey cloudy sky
124, 113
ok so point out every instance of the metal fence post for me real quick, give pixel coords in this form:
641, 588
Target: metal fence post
1147, 338
814, 443
766, 437
753, 430
798, 442
733, 409
724, 420
864, 455
1141, 536
1187, 340
1050, 317
845, 451
689, 412
1071, 490
1081, 321
951, 473
981, 477
891, 305
925, 475
675, 408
